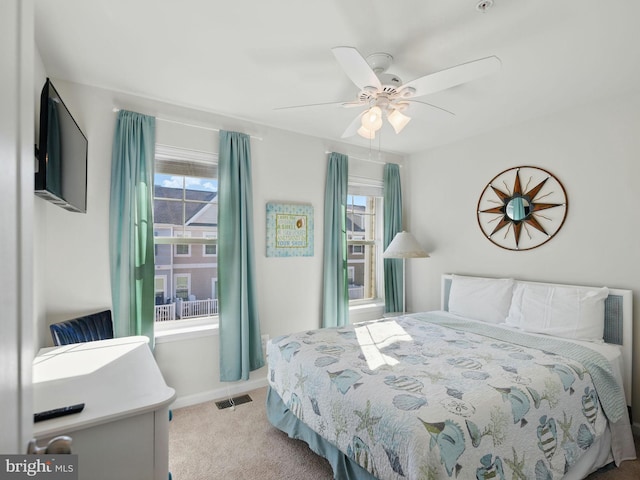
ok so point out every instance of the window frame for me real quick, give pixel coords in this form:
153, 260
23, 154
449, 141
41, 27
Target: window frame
377, 243
181, 236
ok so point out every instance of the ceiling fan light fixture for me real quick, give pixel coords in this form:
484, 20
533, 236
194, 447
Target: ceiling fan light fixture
372, 119
398, 120
366, 133
385, 93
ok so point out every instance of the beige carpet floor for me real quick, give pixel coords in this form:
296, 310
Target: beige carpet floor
206, 443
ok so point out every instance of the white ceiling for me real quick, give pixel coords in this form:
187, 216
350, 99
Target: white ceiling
245, 58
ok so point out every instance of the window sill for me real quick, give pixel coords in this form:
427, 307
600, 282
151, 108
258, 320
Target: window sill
357, 313
186, 332
366, 311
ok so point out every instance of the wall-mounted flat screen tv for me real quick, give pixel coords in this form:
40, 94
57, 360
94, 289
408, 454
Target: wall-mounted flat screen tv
61, 170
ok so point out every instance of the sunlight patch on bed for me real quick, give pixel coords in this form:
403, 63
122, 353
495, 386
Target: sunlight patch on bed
375, 337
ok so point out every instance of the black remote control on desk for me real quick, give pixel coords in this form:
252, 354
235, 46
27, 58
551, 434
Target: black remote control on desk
57, 412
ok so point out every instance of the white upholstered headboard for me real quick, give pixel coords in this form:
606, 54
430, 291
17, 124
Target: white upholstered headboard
618, 318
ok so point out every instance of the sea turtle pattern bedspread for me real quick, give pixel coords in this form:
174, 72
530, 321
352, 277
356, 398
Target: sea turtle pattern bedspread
406, 398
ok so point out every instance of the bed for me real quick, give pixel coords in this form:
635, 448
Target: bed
510, 379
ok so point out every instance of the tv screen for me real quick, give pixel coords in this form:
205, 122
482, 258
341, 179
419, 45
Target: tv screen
61, 174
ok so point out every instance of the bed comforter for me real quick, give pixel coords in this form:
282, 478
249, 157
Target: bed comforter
430, 396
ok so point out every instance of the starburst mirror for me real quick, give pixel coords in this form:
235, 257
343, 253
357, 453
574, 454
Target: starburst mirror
522, 208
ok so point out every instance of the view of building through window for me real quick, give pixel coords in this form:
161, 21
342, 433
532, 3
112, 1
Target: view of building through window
364, 236
185, 231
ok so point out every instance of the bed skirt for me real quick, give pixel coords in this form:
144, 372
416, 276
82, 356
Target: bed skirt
283, 419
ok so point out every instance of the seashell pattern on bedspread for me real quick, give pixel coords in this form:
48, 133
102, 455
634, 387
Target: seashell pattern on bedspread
408, 398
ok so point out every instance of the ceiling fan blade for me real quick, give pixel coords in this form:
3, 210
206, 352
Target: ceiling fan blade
411, 101
356, 67
337, 104
353, 127
453, 76
355, 103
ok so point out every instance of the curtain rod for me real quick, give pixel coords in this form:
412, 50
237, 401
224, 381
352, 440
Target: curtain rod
367, 159
191, 125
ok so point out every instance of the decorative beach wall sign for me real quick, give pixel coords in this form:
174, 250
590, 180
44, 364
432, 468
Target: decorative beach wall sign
289, 230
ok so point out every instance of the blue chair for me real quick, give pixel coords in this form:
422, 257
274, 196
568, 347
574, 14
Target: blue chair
96, 326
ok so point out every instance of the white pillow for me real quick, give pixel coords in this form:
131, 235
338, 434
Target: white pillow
486, 299
514, 318
568, 312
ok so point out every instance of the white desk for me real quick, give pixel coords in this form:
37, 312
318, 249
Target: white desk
123, 431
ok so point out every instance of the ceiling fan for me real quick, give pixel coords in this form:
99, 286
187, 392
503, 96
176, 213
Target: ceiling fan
384, 94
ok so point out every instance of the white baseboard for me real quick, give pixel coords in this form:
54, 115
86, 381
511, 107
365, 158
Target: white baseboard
220, 393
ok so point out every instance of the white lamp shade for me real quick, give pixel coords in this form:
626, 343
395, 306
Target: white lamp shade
366, 133
404, 245
372, 119
398, 120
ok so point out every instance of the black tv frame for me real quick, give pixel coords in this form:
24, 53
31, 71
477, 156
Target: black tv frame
42, 188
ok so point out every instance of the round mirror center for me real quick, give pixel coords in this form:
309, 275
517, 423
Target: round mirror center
517, 209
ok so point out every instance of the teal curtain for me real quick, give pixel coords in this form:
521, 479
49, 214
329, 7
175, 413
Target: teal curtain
240, 340
335, 310
131, 225
392, 219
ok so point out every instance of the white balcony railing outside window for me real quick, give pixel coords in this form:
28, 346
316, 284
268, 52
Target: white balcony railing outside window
183, 309
165, 312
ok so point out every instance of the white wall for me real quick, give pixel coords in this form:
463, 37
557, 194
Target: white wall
73, 247
16, 197
287, 167
41, 329
594, 151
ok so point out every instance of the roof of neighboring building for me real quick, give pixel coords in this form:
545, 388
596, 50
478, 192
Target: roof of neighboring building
355, 218
170, 212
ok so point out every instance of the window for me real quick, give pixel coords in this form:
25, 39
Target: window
182, 284
161, 289
182, 249
186, 231
357, 249
364, 239
209, 250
